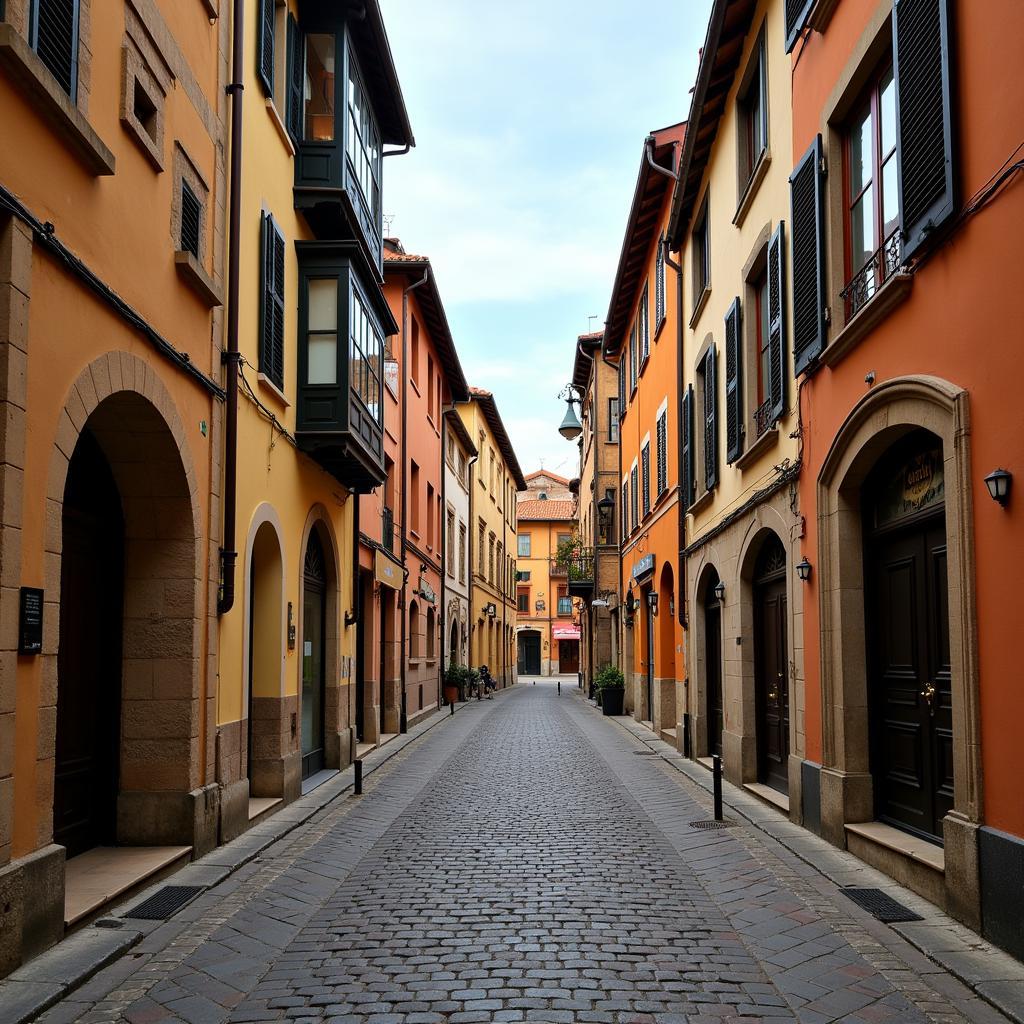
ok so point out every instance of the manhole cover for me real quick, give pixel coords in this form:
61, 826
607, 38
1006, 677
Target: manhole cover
712, 824
168, 900
881, 905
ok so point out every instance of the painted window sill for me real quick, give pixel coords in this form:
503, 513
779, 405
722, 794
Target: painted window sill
699, 307
893, 293
769, 439
701, 503
191, 271
764, 161
28, 73
282, 131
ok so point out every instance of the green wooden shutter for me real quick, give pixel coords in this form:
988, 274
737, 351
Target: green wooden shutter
808, 226
924, 127
296, 79
796, 19
265, 45
711, 419
777, 323
272, 260
662, 432
733, 383
686, 431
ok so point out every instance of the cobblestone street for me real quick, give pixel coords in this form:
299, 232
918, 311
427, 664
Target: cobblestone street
522, 862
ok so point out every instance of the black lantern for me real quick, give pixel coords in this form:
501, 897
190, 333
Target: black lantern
605, 507
652, 602
999, 483
803, 569
570, 428
720, 590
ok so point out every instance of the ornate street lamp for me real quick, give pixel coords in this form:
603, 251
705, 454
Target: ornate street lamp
570, 427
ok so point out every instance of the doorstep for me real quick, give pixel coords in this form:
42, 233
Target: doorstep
669, 736
913, 862
103, 874
362, 749
386, 737
317, 779
769, 795
259, 806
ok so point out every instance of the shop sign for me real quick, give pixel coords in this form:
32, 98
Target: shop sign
914, 486
644, 566
387, 571
426, 591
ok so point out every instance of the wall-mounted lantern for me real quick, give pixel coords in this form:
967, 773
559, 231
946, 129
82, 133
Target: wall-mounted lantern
720, 590
803, 569
570, 427
652, 602
999, 483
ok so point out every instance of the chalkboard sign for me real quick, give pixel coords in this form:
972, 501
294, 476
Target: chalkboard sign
30, 621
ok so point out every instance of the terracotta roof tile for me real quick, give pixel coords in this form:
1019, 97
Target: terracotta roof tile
535, 509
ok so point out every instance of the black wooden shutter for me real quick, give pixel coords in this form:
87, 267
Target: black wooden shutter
662, 433
624, 514
622, 384
296, 79
796, 18
265, 45
686, 430
808, 226
710, 420
733, 383
54, 35
272, 302
777, 323
645, 476
924, 126
634, 497
191, 220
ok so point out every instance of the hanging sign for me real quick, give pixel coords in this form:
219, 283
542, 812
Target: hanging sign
644, 566
387, 571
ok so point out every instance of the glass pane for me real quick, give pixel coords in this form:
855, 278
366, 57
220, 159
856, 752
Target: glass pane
320, 87
887, 104
323, 304
890, 197
323, 359
860, 152
862, 230
762, 341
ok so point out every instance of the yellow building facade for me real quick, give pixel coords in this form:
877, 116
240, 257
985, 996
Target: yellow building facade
495, 478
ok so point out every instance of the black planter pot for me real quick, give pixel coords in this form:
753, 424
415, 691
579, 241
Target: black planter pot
611, 699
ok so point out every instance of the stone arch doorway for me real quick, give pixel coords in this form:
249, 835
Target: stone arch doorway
666, 658
710, 670
265, 662
128, 718
314, 656
453, 643
771, 664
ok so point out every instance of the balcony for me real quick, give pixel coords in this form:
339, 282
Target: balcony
579, 569
880, 266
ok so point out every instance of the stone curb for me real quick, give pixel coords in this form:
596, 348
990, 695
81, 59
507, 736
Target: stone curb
35, 987
992, 974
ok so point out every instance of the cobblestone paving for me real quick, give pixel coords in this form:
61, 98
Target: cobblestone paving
522, 864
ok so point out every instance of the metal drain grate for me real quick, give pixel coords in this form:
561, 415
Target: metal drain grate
169, 900
712, 824
881, 905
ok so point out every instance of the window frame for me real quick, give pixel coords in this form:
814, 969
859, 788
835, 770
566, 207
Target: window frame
755, 80
700, 248
33, 42
523, 549
613, 420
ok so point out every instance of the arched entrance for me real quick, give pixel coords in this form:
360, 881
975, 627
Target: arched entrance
714, 702
666, 650
453, 642
528, 662
771, 661
907, 618
314, 631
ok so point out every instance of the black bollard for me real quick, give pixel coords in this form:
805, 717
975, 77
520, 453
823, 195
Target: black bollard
358, 789
559, 685
716, 761
451, 704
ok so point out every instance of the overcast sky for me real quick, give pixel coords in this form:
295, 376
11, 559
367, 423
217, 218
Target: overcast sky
529, 121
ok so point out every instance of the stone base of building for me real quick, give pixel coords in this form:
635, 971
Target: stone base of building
1001, 874
31, 906
170, 819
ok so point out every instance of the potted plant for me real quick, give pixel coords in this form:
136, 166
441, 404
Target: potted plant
455, 682
611, 690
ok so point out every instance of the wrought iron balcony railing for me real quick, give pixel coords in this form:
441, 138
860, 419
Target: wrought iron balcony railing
578, 567
762, 418
880, 266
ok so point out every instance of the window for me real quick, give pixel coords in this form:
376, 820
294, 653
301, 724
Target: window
143, 97
687, 444
625, 509
322, 331
634, 496
490, 560
414, 351
500, 558
462, 467
613, 420
523, 601
363, 143
701, 255
753, 116
318, 90
659, 284
366, 356
632, 359
710, 409
662, 448
431, 632
450, 452
265, 18
53, 34
481, 554
272, 250
645, 476
760, 291
734, 405
191, 222
414, 497
872, 199
415, 640
564, 602
450, 543
462, 552
430, 386
622, 384
643, 326
523, 541
523, 575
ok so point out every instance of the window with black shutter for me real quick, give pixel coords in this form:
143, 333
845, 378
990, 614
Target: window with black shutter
634, 501
625, 510
622, 384
632, 359
191, 214
662, 443
659, 285
733, 384
921, 41
710, 421
796, 18
686, 430
645, 476
777, 324
265, 45
272, 302
807, 226
296, 79
53, 34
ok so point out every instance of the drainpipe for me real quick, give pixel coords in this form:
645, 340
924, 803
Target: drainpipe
442, 548
352, 617
649, 153
680, 383
403, 724
230, 357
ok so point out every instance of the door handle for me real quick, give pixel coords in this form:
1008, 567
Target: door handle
928, 693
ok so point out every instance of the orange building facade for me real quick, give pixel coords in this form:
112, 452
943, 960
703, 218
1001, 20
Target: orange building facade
641, 335
906, 331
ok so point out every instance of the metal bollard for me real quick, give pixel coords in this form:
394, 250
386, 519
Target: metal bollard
451, 704
716, 761
559, 685
358, 789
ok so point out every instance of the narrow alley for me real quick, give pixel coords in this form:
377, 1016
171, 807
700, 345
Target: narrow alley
507, 866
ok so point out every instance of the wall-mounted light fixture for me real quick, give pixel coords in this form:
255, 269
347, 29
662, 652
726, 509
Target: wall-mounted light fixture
720, 590
570, 428
803, 569
652, 601
999, 483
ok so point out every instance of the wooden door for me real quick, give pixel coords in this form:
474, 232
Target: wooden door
89, 655
568, 656
650, 661
772, 684
910, 686
713, 674
529, 654
314, 619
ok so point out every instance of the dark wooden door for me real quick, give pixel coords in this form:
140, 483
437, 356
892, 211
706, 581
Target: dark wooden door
529, 654
910, 686
713, 671
89, 655
314, 621
772, 677
650, 662
568, 656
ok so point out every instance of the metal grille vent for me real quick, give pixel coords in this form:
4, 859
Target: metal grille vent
191, 210
881, 905
167, 901
712, 824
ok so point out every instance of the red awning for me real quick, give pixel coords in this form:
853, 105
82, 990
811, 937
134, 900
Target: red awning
566, 632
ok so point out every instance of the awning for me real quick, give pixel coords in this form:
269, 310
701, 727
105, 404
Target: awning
566, 632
